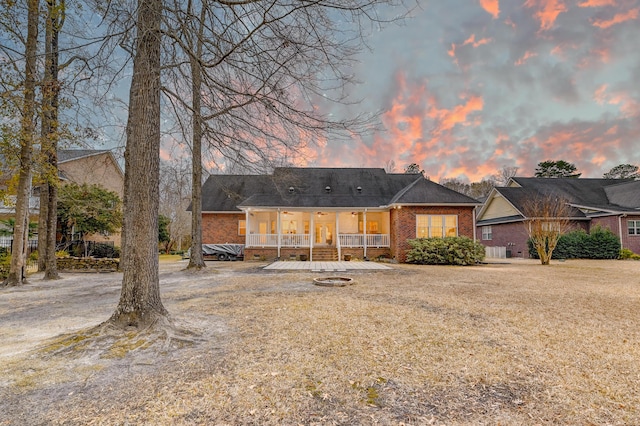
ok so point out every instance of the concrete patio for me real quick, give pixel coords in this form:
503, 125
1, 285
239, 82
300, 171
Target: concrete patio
326, 266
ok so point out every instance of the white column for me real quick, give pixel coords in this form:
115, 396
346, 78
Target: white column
364, 231
338, 235
312, 238
278, 231
246, 227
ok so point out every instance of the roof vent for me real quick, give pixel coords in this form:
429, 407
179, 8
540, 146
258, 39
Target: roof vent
291, 189
327, 188
359, 189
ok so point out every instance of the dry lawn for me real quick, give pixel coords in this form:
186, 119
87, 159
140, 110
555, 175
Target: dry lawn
512, 344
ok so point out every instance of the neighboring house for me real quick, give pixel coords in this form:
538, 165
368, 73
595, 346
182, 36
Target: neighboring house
88, 166
93, 167
610, 203
326, 213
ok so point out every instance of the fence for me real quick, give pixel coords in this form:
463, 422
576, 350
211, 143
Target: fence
6, 243
81, 248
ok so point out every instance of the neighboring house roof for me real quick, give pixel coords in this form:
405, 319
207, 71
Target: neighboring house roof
290, 187
587, 197
69, 155
65, 155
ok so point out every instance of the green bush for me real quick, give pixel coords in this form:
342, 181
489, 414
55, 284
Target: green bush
5, 265
445, 251
628, 254
600, 243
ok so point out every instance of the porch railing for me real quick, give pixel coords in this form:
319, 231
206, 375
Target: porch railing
271, 240
262, 240
303, 240
357, 240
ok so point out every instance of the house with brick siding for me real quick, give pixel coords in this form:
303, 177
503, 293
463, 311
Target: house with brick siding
610, 203
330, 213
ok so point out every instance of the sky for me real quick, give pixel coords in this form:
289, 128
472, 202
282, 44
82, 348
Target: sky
467, 87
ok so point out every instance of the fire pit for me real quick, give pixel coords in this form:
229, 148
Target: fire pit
333, 281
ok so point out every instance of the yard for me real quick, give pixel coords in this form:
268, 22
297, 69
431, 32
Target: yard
508, 343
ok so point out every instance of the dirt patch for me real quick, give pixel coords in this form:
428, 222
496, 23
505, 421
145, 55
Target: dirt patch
511, 343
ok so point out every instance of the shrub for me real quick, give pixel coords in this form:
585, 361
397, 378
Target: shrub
628, 254
600, 243
102, 250
445, 251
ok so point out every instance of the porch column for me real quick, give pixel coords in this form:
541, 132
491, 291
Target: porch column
246, 227
278, 231
338, 235
312, 231
364, 231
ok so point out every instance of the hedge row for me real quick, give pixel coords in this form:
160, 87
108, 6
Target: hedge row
600, 243
445, 251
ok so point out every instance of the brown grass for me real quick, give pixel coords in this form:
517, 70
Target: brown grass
509, 344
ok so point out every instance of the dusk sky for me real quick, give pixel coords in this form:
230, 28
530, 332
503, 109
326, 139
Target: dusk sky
469, 86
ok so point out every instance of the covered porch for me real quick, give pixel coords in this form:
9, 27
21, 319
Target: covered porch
359, 232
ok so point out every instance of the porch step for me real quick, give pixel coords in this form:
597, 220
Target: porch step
325, 254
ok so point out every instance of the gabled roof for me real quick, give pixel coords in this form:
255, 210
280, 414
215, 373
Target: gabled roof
588, 197
291, 187
68, 155
423, 191
65, 155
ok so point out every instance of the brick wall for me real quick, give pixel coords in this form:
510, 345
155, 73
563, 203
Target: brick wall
631, 242
403, 225
221, 228
514, 236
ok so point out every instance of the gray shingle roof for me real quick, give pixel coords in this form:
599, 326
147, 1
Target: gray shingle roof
626, 194
603, 195
323, 188
74, 154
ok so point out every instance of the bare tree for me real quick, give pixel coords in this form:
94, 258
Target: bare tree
504, 174
49, 145
547, 217
26, 138
140, 304
390, 166
257, 70
175, 196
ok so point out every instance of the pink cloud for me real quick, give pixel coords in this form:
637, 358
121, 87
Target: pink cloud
492, 7
472, 41
597, 3
600, 94
617, 19
547, 11
527, 55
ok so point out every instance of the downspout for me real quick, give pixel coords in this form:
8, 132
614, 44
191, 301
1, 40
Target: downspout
364, 232
279, 234
620, 228
474, 224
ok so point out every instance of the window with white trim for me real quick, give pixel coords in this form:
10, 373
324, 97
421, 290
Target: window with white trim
242, 227
487, 233
428, 225
634, 227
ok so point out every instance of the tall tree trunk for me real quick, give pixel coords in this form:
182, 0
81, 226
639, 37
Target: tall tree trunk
196, 259
21, 230
49, 194
140, 304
